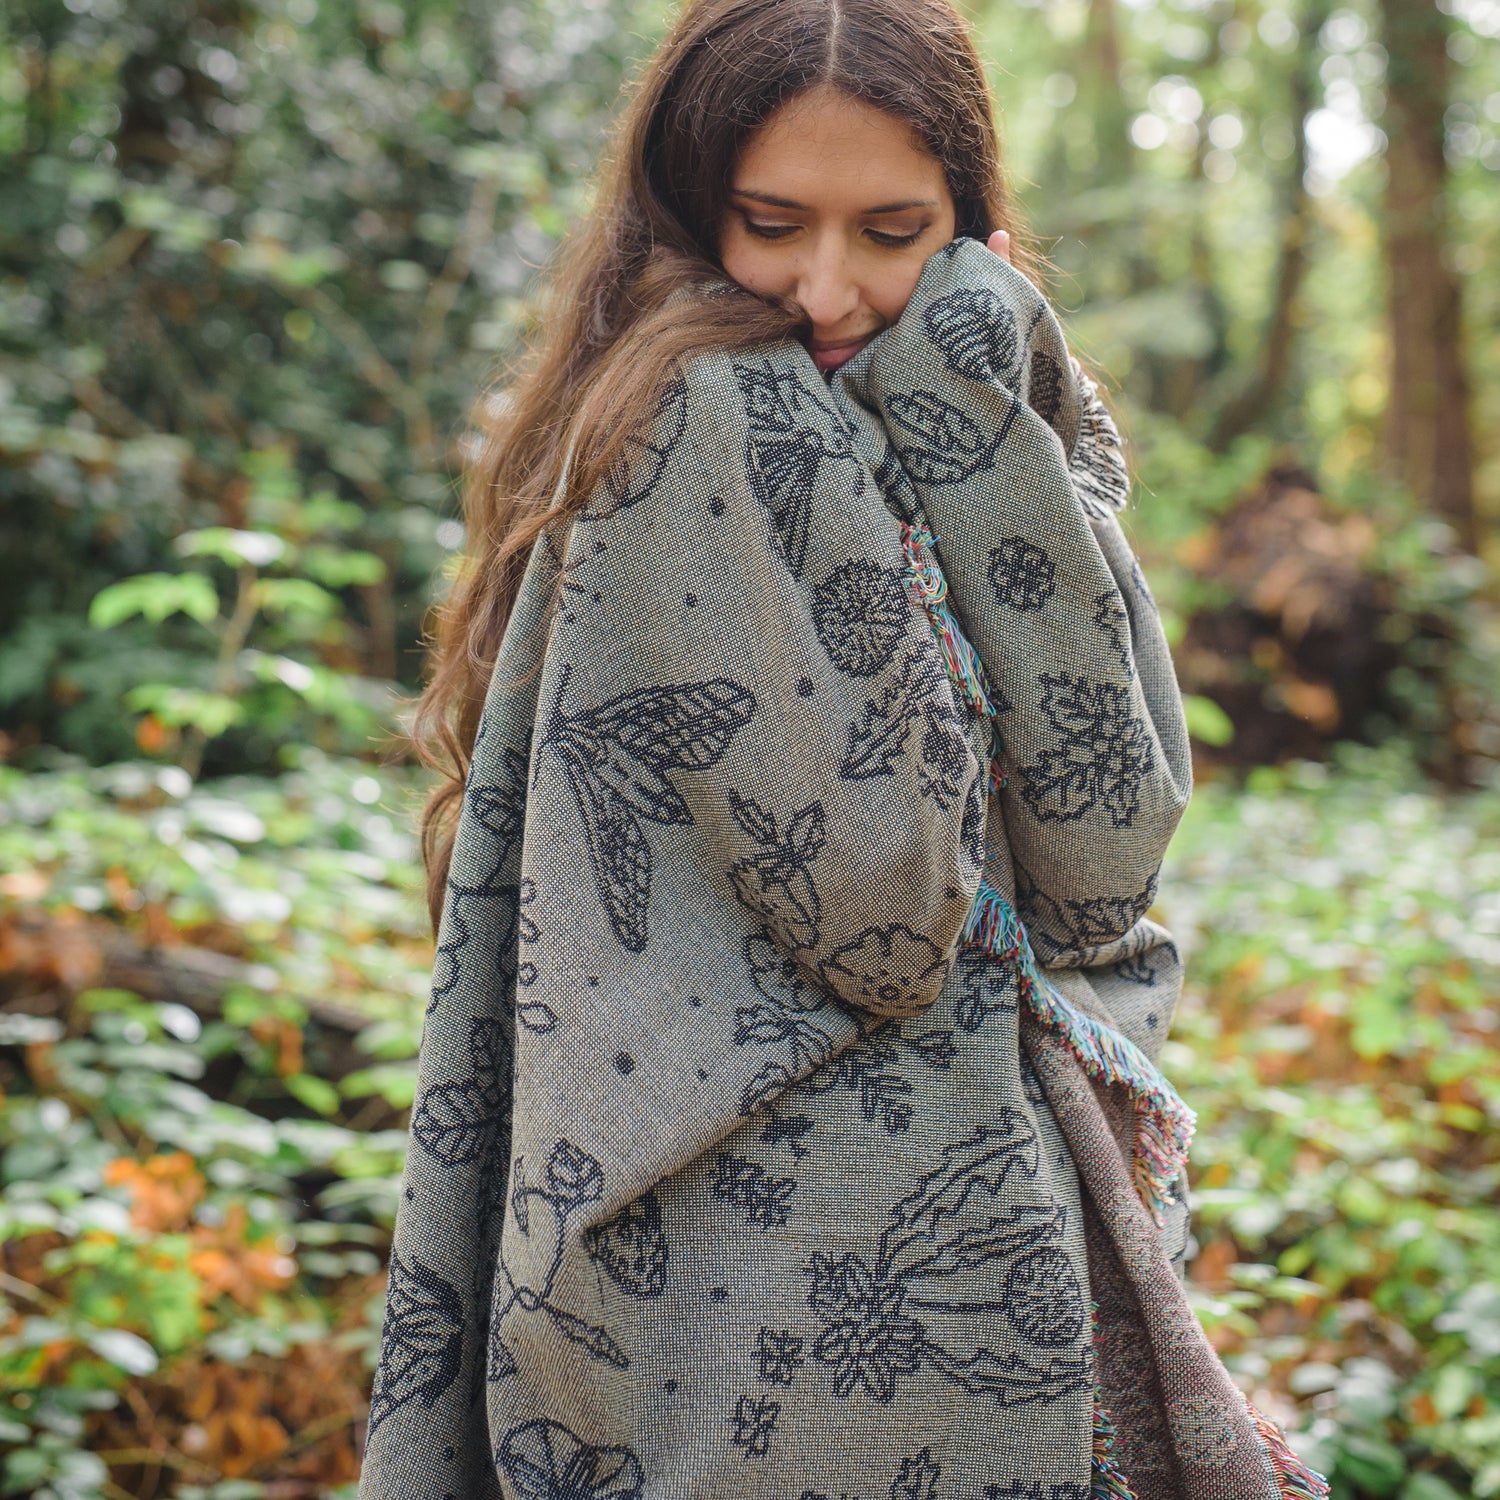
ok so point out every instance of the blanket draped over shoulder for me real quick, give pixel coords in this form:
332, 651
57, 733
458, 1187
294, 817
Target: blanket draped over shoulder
789, 1122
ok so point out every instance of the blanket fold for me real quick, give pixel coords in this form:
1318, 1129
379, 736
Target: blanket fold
836, 739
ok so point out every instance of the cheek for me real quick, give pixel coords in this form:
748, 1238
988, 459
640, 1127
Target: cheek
892, 287
746, 261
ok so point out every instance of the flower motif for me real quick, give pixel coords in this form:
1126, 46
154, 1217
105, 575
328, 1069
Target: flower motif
573, 1177
778, 1357
1101, 754
885, 967
1023, 576
861, 611
1043, 1298
866, 1338
754, 1422
545, 1461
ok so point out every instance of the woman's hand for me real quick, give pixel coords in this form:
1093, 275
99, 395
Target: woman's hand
999, 243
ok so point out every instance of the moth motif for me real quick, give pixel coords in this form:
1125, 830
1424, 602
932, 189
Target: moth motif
616, 759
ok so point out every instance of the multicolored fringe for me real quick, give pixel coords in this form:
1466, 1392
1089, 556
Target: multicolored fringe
1109, 1483
927, 587
1297, 1481
1163, 1123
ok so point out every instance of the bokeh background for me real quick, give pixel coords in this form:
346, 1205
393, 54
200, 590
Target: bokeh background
257, 259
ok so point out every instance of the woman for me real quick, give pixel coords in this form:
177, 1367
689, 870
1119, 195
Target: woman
809, 700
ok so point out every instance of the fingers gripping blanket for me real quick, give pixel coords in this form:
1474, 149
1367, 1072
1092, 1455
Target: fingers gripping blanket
788, 1122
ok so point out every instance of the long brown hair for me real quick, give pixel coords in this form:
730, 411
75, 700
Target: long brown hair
606, 338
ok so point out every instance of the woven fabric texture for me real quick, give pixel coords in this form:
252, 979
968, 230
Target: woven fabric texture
740, 1165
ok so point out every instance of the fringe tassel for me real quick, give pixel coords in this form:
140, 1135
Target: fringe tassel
1109, 1482
1163, 1123
1297, 1481
929, 589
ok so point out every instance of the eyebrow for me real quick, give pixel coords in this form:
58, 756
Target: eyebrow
884, 208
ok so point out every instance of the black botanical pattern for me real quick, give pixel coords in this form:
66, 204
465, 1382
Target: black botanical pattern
778, 1357
786, 1130
456, 1122
632, 1247
974, 830
1023, 575
616, 759
1097, 463
494, 817
989, 989
1101, 754
886, 967
421, 1343
638, 471
1087, 923
747, 1185
1045, 386
791, 434
941, 445
873, 1315
754, 1423
545, 1461
976, 334
916, 697
896, 488
873, 1070
861, 611
916, 1480
777, 884
1043, 1298
1111, 618
571, 1180
1019, 1489
783, 1019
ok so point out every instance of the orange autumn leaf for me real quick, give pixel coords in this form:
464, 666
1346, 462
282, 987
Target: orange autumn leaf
163, 1190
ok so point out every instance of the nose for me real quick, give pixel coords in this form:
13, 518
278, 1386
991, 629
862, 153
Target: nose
826, 287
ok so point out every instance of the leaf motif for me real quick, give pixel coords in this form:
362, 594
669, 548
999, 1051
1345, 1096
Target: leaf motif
880, 737
976, 333
632, 1247
618, 850
687, 727
942, 427
422, 1342
754, 819
805, 834
1023, 1225
453, 1122
593, 1341
918, 1478
636, 473
984, 1160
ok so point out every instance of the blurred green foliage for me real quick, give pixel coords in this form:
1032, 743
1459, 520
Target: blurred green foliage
190, 1198
257, 260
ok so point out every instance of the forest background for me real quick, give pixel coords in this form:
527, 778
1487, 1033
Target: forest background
257, 257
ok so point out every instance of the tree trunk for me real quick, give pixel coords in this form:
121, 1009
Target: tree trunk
1428, 441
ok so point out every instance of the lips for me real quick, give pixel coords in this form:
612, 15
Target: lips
828, 357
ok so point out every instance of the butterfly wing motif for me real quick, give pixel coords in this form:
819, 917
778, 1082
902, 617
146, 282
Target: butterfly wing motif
617, 758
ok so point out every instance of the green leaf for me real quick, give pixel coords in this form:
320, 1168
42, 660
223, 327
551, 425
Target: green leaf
315, 1093
186, 708
296, 597
1206, 721
1370, 1463
337, 569
156, 597
126, 1351
1428, 1487
255, 549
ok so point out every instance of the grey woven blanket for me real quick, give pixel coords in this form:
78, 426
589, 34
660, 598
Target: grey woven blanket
789, 1125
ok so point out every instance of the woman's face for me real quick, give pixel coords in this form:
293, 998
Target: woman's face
836, 206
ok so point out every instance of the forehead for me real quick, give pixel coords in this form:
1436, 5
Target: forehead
827, 150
